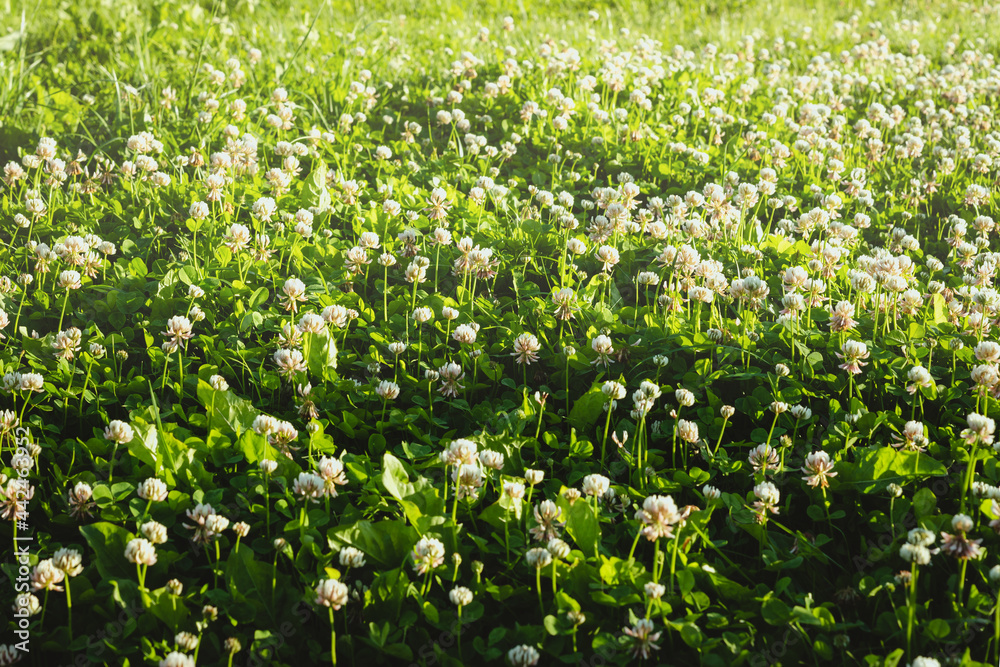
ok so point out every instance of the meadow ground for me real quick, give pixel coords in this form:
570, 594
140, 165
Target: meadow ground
440, 333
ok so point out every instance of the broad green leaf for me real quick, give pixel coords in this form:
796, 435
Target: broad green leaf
108, 542
250, 579
226, 411
314, 192
167, 608
320, 352
582, 524
876, 468
775, 611
924, 502
258, 298
587, 409
940, 309
387, 544
144, 443
394, 477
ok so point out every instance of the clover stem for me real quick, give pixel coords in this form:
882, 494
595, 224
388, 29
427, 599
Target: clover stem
69, 607
673, 558
538, 585
333, 639
607, 426
911, 610
63, 313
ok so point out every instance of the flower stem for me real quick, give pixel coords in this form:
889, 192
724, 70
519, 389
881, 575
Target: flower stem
69, 608
604, 442
538, 585
63, 313
673, 558
911, 611
333, 639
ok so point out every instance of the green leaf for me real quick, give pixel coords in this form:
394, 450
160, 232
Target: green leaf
692, 635
224, 255
581, 524
894, 658
937, 629
940, 309
143, 444
386, 543
924, 502
314, 192
137, 267
876, 468
587, 409
226, 411
420, 501
775, 612
250, 579
685, 581
258, 298
320, 352
108, 542
168, 609
394, 477
254, 447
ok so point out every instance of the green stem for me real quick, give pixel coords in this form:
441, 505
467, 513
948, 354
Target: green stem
111, 463
333, 639
911, 611
969, 474
607, 426
996, 632
725, 420
63, 313
69, 608
506, 535
538, 585
961, 581
673, 558
656, 560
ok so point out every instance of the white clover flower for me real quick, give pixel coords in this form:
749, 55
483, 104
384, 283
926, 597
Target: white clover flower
118, 432
140, 551
533, 477
154, 531
152, 489
558, 548
69, 561
387, 390
176, 659
538, 557
915, 553
523, 656
331, 593
513, 490
595, 485
352, 557
920, 537
428, 554
684, 397
460, 596
614, 391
